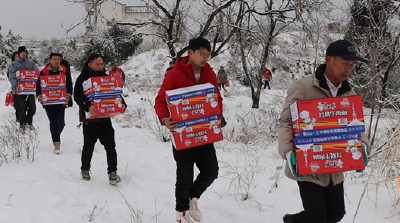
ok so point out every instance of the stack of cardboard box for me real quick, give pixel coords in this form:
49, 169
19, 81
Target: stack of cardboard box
27, 81
105, 94
53, 89
327, 134
198, 114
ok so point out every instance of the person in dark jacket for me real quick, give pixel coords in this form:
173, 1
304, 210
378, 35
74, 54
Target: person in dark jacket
14, 57
188, 71
94, 129
26, 102
56, 112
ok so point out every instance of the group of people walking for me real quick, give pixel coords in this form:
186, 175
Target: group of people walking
322, 194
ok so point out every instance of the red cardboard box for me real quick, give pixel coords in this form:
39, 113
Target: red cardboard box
192, 102
339, 114
330, 154
52, 81
27, 74
89, 116
107, 107
27, 86
54, 96
104, 85
197, 132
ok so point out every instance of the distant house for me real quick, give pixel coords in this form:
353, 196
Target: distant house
109, 10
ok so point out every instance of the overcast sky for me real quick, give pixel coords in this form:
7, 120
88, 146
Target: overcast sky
42, 19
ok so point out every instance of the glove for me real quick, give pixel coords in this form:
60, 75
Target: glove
365, 158
291, 158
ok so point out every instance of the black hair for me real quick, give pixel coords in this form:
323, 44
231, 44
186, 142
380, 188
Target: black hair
199, 42
13, 56
90, 60
55, 55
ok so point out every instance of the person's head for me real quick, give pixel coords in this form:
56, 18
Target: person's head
171, 64
340, 58
199, 52
221, 68
95, 62
22, 52
14, 56
113, 66
55, 60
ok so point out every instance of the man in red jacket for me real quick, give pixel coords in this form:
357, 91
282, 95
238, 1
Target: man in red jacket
188, 71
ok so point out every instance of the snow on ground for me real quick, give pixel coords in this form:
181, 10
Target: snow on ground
51, 189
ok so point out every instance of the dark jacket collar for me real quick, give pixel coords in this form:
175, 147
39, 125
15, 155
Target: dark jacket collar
320, 75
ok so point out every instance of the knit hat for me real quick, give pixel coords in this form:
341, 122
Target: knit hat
343, 49
22, 49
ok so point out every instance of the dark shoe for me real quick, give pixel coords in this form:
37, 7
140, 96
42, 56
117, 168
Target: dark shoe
114, 178
85, 174
288, 218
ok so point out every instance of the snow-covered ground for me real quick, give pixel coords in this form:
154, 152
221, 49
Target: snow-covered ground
51, 189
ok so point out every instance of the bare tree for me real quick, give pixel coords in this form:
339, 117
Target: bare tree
259, 27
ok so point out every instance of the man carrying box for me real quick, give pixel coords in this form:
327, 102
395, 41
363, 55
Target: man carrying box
55, 112
94, 129
322, 194
26, 103
188, 71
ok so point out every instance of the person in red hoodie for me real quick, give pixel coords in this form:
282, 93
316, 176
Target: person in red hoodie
188, 71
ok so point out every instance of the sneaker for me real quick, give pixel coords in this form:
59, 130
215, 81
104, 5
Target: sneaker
114, 178
195, 212
183, 217
85, 174
57, 148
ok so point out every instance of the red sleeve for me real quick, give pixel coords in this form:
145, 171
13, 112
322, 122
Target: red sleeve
161, 106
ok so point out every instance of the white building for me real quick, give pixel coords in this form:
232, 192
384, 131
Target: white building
109, 10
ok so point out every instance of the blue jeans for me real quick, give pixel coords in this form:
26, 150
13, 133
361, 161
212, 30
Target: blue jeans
56, 115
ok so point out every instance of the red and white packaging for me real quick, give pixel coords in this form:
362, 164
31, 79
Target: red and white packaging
104, 85
197, 132
27, 74
192, 102
54, 96
89, 116
332, 154
52, 81
327, 116
106, 107
27, 87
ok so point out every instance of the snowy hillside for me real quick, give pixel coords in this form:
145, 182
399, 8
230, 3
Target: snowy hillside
251, 186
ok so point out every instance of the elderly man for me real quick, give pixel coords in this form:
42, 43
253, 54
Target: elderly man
322, 194
56, 112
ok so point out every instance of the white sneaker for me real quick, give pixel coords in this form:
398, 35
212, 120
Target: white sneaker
183, 217
195, 212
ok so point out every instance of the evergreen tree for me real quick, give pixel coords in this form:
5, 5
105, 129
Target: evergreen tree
7, 47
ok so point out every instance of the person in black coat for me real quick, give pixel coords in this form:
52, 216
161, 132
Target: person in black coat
94, 129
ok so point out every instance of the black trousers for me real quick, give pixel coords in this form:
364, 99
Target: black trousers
56, 115
266, 83
15, 101
321, 204
206, 160
26, 108
103, 131
221, 85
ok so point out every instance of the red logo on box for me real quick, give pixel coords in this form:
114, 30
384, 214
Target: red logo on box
54, 96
